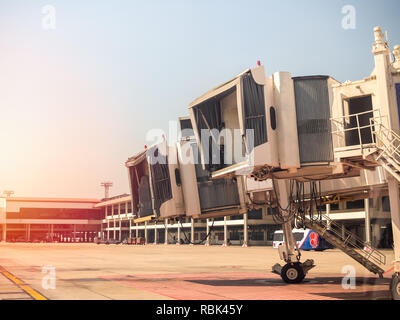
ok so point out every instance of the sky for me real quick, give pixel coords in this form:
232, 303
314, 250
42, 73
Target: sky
77, 100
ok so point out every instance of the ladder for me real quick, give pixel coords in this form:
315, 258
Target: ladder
348, 242
388, 146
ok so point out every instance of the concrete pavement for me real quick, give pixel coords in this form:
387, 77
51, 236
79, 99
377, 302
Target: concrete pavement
90, 271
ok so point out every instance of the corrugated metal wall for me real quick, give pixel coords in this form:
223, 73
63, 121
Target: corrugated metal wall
313, 114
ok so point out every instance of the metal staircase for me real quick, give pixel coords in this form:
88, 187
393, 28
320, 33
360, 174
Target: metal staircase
372, 141
388, 148
349, 243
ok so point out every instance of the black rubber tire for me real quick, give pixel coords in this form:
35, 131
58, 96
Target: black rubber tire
395, 286
292, 273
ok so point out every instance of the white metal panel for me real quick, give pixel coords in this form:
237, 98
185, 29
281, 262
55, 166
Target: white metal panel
288, 144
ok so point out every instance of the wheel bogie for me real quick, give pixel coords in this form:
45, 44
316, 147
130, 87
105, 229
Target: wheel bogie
395, 286
292, 273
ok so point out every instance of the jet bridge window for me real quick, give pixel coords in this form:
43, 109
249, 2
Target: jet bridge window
359, 111
221, 112
209, 120
160, 178
254, 110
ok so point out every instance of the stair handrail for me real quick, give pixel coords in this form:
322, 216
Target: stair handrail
386, 140
370, 253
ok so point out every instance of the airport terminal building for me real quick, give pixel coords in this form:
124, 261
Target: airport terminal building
369, 219
49, 219
81, 220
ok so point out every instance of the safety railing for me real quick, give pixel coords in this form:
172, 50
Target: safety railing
387, 141
350, 240
343, 126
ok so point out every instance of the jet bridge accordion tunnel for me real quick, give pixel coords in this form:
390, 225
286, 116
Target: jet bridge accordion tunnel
204, 197
232, 123
283, 123
155, 183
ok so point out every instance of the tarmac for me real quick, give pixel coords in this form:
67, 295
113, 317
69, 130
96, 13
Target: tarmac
86, 271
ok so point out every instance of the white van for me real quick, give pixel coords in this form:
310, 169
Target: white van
299, 236
306, 239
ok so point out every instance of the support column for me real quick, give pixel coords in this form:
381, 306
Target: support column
166, 232
145, 232
225, 233
367, 223
120, 222
28, 237
394, 197
101, 231
155, 233
130, 228
137, 230
245, 231
179, 235
108, 229
192, 232
107, 224
5, 232
287, 226
74, 232
115, 229
328, 213
208, 232
51, 231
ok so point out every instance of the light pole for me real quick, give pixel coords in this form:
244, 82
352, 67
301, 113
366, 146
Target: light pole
8, 193
107, 185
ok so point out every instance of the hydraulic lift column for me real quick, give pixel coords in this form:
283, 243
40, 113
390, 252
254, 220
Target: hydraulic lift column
293, 271
289, 254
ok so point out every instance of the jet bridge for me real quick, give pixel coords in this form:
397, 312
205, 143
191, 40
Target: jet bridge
155, 183
308, 129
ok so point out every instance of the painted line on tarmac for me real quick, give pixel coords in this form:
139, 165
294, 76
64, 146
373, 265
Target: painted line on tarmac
22, 285
391, 269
